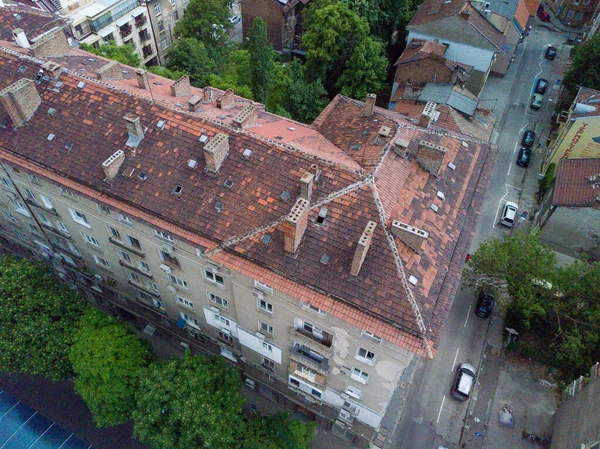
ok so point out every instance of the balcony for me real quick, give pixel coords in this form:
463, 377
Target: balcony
310, 398
37, 205
137, 251
56, 232
303, 355
144, 289
147, 51
141, 20
318, 380
125, 30
144, 37
135, 269
308, 339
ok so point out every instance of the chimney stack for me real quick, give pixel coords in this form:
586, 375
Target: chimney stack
181, 87
225, 101
51, 43
306, 186
207, 95
369, 105
409, 235
134, 130
194, 103
401, 147
21, 38
112, 164
52, 69
142, 79
362, 247
20, 100
246, 117
110, 71
215, 152
427, 114
294, 226
430, 156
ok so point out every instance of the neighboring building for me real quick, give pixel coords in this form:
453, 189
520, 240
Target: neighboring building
283, 18
578, 132
575, 13
569, 215
595, 24
164, 14
467, 33
318, 259
577, 421
26, 24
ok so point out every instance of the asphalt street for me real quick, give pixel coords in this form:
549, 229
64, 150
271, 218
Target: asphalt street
431, 416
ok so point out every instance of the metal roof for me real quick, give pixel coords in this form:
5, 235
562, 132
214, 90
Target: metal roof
445, 94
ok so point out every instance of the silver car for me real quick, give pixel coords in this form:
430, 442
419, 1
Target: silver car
509, 214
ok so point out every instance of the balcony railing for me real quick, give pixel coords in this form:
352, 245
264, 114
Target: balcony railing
124, 263
144, 289
56, 231
302, 354
137, 251
148, 51
51, 211
126, 30
140, 21
305, 395
144, 37
308, 339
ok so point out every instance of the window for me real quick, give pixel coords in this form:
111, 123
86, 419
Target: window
266, 328
191, 321
80, 218
179, 282
213, 277
359, 376
176, 16
16, 171
225, 336
353, 391
114, 233
268, 364
265, 306
185, 302
21, 235
124, 256
218, 300
133, 277
32, 227
20, 208
365, 356
124, 219
373, 336
579, 16
267, 346
104, 209
263, 287
221, 319
61, 226
228, 354
74, 249
144, 296
62, 191
102, 262
156, 9
47, 202
313, 308
91, 240
163, 43
9, 216
169, 258
45, 220
31, 195
161, 26
6, 183
150, 285
164, 235
570, 14
133, 242
142, 265
35, 179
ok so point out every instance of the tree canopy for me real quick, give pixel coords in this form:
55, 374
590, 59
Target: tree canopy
125, 54
108, 360
38, 316
261, 60
584, 70
366, 70
277, 431
190, 56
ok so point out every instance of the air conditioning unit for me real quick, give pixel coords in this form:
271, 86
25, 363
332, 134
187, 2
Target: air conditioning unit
184, 345
260, 336
168, 249
98, 278
344, 370
171, 289
349, 407
165, 268
250, 383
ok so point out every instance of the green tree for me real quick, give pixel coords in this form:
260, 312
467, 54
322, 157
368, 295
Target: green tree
366, 70
125, 54
164, 72
305, 100
189, 56
108, 360
261, 59
38, 316
207, 21
277, 431
194, 402
584, 70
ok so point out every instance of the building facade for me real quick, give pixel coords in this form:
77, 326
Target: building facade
575, 13
164, 15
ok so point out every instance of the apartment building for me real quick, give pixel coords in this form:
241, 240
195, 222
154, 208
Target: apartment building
164, 15
318, 259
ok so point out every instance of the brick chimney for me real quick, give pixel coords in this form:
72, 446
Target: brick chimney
142, 79
362, 247
110, 71
294, 226
369, 105
52, 69
306, 185
401, 147
134, 130
409, 235
194, 103
207, 95
225, 101
51, 43
430, 156
215, 152
246, 117
427, 114
20, 100
181, 87
21, 38
112, 164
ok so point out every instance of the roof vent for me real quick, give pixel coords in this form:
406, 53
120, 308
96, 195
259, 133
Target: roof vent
279, 137
161, 124
81, 85
22, 69
401, 147
292, 128
413, 280
247, 153
113, 163
362, 247
322, 215
142, 176
192, 163
68, 145
434, 207
266, 239
51, 111
451, 166
285, 196
464, 144
228, 183
409, 235
21, 38
441, 195
177, 190
385, 131
356, 146
51, 137
324, 259
203, 138
219, 206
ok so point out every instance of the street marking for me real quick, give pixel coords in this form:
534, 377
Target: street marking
440, 412
510, 164
455, 357
468, 314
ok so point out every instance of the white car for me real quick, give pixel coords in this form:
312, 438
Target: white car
235, 20
509, 214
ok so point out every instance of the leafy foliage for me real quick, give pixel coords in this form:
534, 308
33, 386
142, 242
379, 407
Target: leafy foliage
37, 320
125, 54
108, 360
190, 56
261, 59
385, 16
303, 99
366, 70
192, 402
584, 70
277, 431
164, 72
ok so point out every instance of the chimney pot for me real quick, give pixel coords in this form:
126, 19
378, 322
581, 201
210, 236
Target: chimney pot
225, 101
194, 103
369, 105
20, 100
215, 152
110, 71
409, 235
306, 185
142, 79
52, 69
245, 117
362, 247
134, 130
295, 225
21, 38
112, 164
430, 156
181, 87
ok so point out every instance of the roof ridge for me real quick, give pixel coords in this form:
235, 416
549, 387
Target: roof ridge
481, 32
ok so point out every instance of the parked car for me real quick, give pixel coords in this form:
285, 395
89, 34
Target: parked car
528, 138
464, 382
541, 85
536, 101
543, 15
509, 214
235, 20
524, 156
550, 53
485, 304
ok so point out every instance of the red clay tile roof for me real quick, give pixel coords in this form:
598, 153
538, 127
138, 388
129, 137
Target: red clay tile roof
522, 14
532, 6
33, 21
577, 183
418, 49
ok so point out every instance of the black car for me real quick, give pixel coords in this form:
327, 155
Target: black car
540, 86
524, 157
464, 381
528, 138
550, 53
485, 304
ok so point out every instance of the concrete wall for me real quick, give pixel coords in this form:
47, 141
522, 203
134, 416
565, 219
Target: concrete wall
572, 231
271, 13
422, 72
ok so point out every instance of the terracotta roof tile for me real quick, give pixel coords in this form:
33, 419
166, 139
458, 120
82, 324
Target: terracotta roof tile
31, 20
577, 183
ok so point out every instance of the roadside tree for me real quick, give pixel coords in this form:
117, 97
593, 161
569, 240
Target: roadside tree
584, 70
261, 60
190, 56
